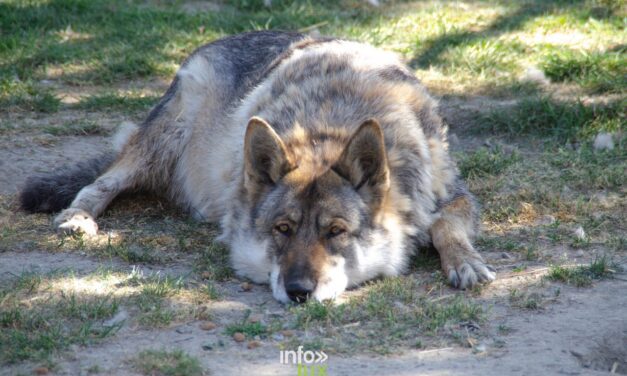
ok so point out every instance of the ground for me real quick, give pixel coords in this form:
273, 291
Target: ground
526, 88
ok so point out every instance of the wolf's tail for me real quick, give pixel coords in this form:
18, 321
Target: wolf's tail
54, 191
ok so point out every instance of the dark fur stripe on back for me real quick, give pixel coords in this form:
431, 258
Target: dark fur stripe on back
55, 191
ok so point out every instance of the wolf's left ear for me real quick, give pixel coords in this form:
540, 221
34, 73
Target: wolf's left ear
364, 163
265, 157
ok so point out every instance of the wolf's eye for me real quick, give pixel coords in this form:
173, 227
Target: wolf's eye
283, 228
336, 230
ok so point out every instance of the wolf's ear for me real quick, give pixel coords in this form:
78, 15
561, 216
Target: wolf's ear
364, 163
265, 157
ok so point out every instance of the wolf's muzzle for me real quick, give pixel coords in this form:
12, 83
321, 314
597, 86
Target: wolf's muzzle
300, 289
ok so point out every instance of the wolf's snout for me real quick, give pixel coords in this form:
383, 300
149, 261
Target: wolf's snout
300, 289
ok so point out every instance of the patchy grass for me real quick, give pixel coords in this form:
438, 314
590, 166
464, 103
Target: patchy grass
213, 262
582, 275
390, 312
167, 363
76, 128
154, 309
44, 314
598, 72
467, 47
38, 320
249, 329
484, 162
126, 103
546, 117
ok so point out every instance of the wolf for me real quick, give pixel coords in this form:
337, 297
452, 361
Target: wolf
324, 161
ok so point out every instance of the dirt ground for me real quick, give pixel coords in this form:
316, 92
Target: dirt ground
581, 333
578, 331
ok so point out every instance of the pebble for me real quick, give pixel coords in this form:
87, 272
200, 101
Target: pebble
275, 314
183, 330
41, 371
603, 141
239, 337
255, 318
545, 220
579, 233
534, 75
207, 346
505, 255
253, 345
119, 318
208, 325
453, 140
205, 275
246, 286
480, 348
287, 333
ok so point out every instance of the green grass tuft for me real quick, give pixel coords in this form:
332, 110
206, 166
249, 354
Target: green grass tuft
76, 128
599, 72
213, 262
484, 162
115, 102
583, 275
168, 363
249, 329
563, 121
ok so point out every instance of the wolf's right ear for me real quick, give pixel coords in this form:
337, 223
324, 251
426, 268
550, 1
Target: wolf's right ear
265, 156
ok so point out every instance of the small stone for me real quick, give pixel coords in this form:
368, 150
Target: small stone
207, 346
205, 275
246, 286
118, 319
253, 345
579, 233
208, 325
239, 337
287, 333
453, 140
545, 220
275, 314
579, 253
603, 141
278, 337
41, 371
183, 330
255, 318
480, 348
505, 255
534, 75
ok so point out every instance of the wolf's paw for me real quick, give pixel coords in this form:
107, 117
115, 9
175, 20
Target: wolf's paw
467, 269
72, 221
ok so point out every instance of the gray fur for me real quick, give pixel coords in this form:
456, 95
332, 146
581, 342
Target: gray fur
288, 141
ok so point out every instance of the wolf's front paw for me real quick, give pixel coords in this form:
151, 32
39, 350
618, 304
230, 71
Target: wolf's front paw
72, 221
466, 268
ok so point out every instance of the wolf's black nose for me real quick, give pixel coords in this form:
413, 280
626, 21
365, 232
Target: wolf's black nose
300, 290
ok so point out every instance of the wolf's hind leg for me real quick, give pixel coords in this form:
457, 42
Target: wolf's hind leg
451, 235
92, 200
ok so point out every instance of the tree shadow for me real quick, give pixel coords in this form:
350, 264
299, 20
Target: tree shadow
434, 48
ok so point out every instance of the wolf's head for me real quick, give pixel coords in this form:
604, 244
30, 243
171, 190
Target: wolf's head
318, 216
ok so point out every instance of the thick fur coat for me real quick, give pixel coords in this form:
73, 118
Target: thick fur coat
324, 161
